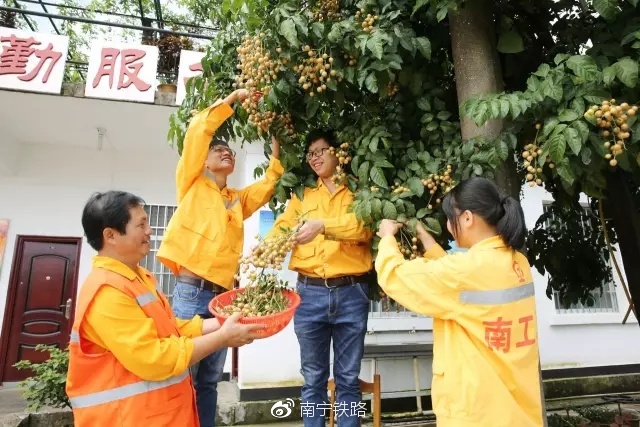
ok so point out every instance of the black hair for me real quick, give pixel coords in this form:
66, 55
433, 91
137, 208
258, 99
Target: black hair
316, 134
217, 141
483, 198
107, 210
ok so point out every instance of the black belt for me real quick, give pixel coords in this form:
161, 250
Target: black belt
201, 283
333, 282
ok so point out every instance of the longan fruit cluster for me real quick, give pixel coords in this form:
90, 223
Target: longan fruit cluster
257, 71
392, 89
327, 9
438, 185
367, 22
270, 253
530, 154
351, 60
315, 71
408, 244
287, 124
262, 120
257, 68
398, 188
612, 120
344, 158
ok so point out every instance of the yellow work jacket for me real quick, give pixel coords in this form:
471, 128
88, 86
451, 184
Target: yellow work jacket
485, 356
344, 248
206, 233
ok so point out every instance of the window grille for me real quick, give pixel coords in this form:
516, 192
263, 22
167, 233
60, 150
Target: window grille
159, 216
603, 302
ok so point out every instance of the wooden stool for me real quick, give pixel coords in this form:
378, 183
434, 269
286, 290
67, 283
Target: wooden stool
365, 387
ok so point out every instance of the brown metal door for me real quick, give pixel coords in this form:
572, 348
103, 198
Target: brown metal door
39, 308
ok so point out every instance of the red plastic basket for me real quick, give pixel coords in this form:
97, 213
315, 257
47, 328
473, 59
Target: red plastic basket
274, 322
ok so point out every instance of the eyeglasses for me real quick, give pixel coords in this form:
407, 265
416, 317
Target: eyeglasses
317, 153
221, 149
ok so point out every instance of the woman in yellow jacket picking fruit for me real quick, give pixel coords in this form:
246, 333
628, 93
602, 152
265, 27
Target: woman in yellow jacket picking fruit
485, 363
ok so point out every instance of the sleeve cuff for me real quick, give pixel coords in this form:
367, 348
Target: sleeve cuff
275, 167
435, 252
219, 110
388, 244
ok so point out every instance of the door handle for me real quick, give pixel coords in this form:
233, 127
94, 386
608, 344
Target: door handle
67, 309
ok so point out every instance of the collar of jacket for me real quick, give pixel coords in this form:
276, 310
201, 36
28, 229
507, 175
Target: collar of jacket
493, 242
117, 267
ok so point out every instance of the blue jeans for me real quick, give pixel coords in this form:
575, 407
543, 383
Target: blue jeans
325, 314
189, 300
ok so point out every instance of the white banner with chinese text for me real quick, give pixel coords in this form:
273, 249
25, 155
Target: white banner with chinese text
31, 61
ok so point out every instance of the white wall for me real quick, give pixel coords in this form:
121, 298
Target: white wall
52, 184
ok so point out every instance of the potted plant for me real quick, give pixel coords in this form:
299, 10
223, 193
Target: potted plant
169, 48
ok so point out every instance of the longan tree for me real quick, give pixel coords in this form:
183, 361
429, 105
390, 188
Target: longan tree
381, 73
577, 131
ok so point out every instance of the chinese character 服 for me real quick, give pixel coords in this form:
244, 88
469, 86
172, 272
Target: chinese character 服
129, 68
498, 334
15, 56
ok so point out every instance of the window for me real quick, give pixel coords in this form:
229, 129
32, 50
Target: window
159, 216
603, 302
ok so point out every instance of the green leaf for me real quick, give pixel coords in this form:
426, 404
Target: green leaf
573, 140
510, 42
502, 149
627, 71
418, 5
378, 178
433, 226
371, 83
336, 33
389, 210
607, 8
609, 75
415, 185
424, 46
312, 107
568, 116
564, 170
318, 29
583, 66
549, 125
374, 44
289, 179
363, 171
586, 155
557, 148
376, 208
442, 13
582, 129
422, 213
288, 30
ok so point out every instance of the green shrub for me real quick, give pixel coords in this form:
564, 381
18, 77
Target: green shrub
47, 386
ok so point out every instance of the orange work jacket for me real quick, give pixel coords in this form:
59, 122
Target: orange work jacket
103, 393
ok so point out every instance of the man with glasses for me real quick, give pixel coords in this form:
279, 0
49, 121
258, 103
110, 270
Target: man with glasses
332, 258
204, 238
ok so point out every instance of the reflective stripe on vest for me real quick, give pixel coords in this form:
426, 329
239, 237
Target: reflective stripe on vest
499, 296
125, 391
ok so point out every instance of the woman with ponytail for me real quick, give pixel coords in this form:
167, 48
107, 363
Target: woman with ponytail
485, 357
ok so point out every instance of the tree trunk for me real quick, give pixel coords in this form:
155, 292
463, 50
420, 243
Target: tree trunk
477, 71
626, 222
